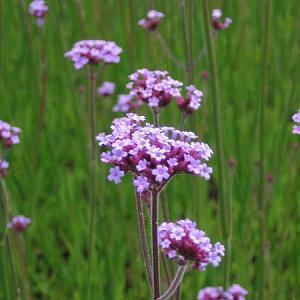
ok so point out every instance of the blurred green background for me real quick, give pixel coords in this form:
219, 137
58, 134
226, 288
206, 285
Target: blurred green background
49, 183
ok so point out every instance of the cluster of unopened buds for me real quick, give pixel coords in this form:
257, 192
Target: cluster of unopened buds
235, 292
154, 155
19, 223
216, 20
9, 136
93, 52
152, 20
184, 242
106, 89
296, 119
38, 9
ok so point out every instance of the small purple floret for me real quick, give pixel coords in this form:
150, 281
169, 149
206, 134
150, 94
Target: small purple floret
19, 223
106, 89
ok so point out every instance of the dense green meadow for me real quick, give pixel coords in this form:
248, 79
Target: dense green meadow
49, 178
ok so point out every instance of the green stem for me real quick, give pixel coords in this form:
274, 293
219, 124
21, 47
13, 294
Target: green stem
92, 216
261, 192
186, 27
22, 260
155, 246
143, 238
6, 237
222, 176
175, 283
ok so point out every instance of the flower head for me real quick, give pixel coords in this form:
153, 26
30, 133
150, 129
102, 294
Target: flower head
152, 20
38, 9
192, 100
9, 134
296, 119
93, 52
216, 20
19, 223
106, 89
235, 292
126, 103
153, 154
156, 88
3, 167
183, 240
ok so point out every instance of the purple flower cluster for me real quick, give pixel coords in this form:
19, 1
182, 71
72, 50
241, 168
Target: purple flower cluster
296, 119
9, 136
38, 9
93, 52
156, 88
216, 20
106, 89
235, 292
153, 154
19, 223
184, 241
191, 102
127, 103
152, 20
3, 167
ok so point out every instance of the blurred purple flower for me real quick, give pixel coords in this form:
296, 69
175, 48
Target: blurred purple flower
38, 9
19, 223
93, 52
106, 89
126, 103
183, 240
9, 134
235, 292
152, 20
3, 167
296, 119
216, 20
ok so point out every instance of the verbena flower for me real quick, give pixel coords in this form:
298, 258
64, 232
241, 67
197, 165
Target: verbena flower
19, 223
152, 20
9, 134
156, 88
154, 155
296, 119
106, 89
93, 52
3, 167
235, 292
38, 9
191, 102
126, 103
216, 20
184, 241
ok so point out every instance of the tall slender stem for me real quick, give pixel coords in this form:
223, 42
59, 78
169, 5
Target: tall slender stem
186, 26
222, 176
22, 260
10, 251
261, 192
42, 95
92, 216
155, 248
143, 238
175, 283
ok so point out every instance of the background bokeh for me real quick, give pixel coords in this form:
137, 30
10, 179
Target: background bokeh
49, 183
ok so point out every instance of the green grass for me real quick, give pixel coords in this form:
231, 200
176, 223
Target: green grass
54, 192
